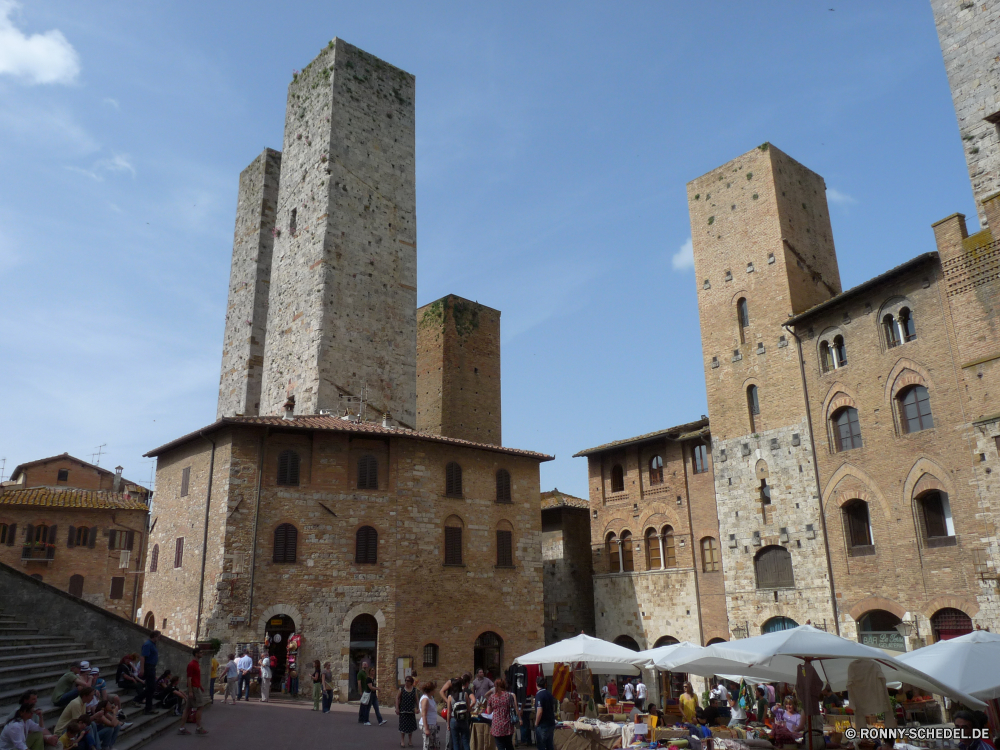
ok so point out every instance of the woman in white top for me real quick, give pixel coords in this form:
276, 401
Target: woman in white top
428, 716
265, 679
738, 715
15, 732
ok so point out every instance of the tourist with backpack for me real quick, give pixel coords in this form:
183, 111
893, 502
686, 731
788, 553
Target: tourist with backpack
460, 699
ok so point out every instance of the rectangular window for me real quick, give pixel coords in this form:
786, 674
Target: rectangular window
179, 552
431, 655
63, 475
185, 480
700, 459
117, 587
452, 545
505, 549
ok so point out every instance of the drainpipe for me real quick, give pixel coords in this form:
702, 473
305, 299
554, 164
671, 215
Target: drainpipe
204, 541
256, 515
143, 546
694, 551
819, 488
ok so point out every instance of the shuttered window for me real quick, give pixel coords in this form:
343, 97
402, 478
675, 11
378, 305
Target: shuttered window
711, 561
120, 539
286, 538
628, 564
288, 468
773, 566
503, 486
915, 408
505, 549
652, 550
858, 528
76, 586
453, 480
669, 553
368, 473
185, 480
79, 536
452, 545
117, 587
5, 530
611, 544
154, 558
179, 552
617, 478
366, 546
932, 507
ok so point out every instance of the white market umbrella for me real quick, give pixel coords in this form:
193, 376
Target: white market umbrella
601, 657
969, 663
775, 656
651, 657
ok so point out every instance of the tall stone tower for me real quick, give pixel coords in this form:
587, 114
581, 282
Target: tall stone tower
458, 370
763, 250
968, 32
343, 283
249, 286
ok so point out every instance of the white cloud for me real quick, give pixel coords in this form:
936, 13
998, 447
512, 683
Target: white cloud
39, 58
841, 199
112, 102
117, 163
683, 259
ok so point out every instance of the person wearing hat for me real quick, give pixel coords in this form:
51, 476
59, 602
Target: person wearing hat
68, 686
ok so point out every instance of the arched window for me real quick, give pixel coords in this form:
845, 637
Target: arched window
76, 586
777, 624
742, 317
487, 654
669, 554
38, 534
288, 468
505, 545
826, 357
700, 453
286, 538
503, 486
154, 558
617, 478
858, 527
935, 516
915, 409
846, 429
773, 568
655, 470
711, 560
149, 621
453, 540
627, 641
877, 628
765, 492
753, 406
79, 536
453, 480
652, 540
906, 325
366, 546
890, 331
368, 472
614, 561
627, 563
839, 351
950, 623
665, 640
431, 655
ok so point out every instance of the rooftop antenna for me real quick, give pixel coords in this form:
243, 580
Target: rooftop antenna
100, 450
3, 465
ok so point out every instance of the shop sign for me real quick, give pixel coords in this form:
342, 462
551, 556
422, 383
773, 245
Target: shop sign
885, 639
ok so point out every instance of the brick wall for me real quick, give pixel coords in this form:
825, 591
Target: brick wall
569, 587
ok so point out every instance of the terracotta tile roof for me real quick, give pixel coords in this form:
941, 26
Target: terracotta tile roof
65, 456
555, 499
329, 423
680, 432
60, 497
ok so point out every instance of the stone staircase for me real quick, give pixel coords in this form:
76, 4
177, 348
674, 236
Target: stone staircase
30, 660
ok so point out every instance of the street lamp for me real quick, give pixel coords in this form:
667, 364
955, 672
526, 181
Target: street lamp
910, 628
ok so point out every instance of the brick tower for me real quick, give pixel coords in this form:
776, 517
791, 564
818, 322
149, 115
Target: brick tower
343, 283
458, 370
763, 250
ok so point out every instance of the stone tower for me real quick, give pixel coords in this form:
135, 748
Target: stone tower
249, 286
343, 283
968, 32
458, 370
763, 250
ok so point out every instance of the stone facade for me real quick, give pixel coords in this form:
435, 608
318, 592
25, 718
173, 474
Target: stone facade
341, 318
458, 370
967, 31
249, 287
569, 584
417, 599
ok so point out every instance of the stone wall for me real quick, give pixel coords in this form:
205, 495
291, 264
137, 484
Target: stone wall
249, 287
342, 308
569, 587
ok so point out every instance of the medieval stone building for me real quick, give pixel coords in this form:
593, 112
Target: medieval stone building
353, 488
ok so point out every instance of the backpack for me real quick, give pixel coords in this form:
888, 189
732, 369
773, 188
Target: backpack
459, 707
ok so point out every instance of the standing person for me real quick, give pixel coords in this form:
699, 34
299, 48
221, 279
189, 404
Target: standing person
640, 693
459, 714
195, 696
265, 678
149, 657
367, 685
501, 704
689, 704
481, 685
760, 706
327, 687
737, 714
317, 678
428, 716
545, 716
231, 675
629, 691
406, 706
213, 675
245, 667
613, 688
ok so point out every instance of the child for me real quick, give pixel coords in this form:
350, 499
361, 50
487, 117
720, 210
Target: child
74, 736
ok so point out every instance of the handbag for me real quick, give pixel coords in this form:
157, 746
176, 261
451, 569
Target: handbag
515, 720
366, 698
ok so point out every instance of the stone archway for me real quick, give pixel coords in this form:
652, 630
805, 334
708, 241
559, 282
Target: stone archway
279, 609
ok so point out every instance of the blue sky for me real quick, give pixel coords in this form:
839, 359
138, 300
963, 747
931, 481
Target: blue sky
554, 141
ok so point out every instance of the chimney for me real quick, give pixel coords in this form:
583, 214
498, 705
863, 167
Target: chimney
386, 420
290, 408
116, 487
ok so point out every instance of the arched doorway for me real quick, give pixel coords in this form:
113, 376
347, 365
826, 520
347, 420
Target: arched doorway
716, 640
878, 628
776, 624
627, 641
665, 640
364, 647
488, 654
671, 684
277, 631
950, 623
149, 621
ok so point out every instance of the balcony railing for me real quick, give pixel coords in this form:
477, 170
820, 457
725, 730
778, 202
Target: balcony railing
38, 552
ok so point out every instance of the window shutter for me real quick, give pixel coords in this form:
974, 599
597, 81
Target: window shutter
453, 480
503, 486
11, 532
154, 558
129, 540
505, 552
934, 515
71, 542
111, 538
92, 537
452, 545
279, 544
76, 586
185, 481
52, 534
179, 552
29, 533
117, 587
668, 550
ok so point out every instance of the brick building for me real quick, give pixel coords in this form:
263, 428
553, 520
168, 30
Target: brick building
569, 586
66, 471
313, 504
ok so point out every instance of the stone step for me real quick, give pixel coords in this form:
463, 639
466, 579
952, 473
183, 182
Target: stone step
31, 654
38, 667
32, 640
148, 730
11, 688
17, 629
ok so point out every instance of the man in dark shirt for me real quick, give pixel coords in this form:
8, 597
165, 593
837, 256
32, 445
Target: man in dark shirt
545, 716
148, 660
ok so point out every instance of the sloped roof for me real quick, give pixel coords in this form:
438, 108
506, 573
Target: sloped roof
65, 497
329, 423
556, 499
680, 432
19, 469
